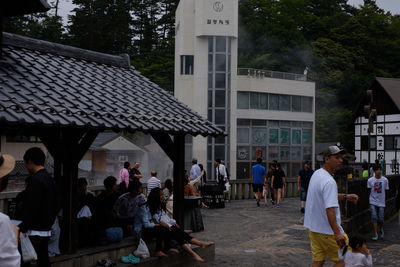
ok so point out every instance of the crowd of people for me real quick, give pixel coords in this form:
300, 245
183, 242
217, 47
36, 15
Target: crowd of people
122, 209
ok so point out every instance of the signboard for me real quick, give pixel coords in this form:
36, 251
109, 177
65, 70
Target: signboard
216, 18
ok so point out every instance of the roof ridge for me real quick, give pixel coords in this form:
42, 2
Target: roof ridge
65, 50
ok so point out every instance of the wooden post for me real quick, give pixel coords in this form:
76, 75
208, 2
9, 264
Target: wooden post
179, 167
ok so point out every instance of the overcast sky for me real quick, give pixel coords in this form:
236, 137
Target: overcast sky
388, 5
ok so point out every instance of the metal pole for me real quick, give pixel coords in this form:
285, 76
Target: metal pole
369, 146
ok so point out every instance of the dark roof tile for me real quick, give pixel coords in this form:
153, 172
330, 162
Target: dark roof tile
46, 83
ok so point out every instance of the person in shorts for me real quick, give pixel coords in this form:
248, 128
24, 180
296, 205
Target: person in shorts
258, 176
377, 200
303, 180
322, 214
278, 181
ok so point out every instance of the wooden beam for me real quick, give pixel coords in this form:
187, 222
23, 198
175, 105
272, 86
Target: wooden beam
86, 142
166, 143
179, 167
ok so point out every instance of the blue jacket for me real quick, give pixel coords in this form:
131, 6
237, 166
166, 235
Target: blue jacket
142, 219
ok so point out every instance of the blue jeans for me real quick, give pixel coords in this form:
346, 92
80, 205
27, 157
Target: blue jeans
377, 213
303, 194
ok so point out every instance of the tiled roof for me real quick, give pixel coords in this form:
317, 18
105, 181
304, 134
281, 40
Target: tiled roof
46, 84
392, 87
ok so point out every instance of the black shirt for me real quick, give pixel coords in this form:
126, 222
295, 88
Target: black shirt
278, 175
305, 177
103, 214
40, 203
133, 172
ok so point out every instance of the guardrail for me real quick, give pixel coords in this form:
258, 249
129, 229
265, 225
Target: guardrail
257, 73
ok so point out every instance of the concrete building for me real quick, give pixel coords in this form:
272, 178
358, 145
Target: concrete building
266, 114
385, 135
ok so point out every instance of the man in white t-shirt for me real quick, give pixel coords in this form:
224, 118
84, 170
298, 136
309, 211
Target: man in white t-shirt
377, 200
322, 214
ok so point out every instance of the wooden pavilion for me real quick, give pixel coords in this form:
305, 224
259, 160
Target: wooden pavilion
67, 96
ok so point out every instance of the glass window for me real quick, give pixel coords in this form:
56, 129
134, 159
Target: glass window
187, 65
188, 153
284, 123
243, 100
296, 137
219, 116
210, 80
209, 152
243, 135
220, 62
254, 100
284, 153
263, 101
243, 122
219, 152
258, 136
273, 136
220, 81
243, 153
210, 62
273, 123
210, 98
220, 140
210, 117
373, 142
284, 137
397, 142
296, 103
273, 102
220, 44
210, 44
389, 142
258, 122
295, 153
307, 153
284, 102
296, 123
273, 153
306, 104
307, 124
258, 152
220, 98
243, 170
307, 136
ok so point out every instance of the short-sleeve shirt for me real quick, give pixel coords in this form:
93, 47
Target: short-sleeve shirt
322, 194
258, 172
195, 172
278, 175
305, 177
378, 187
132, 172
9, 255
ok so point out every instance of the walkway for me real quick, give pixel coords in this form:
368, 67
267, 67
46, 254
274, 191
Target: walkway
247, 235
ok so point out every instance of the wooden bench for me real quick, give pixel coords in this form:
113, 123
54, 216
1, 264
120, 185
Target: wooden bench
88, 257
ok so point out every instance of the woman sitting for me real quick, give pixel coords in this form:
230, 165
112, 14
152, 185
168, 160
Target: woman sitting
148, 230
159, 214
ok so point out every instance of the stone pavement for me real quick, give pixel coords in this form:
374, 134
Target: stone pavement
247, 235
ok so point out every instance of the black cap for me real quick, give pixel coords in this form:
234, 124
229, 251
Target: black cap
333, 150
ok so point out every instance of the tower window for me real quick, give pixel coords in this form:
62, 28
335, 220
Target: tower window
187, 65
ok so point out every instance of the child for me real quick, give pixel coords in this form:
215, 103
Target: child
355, 256
377, 185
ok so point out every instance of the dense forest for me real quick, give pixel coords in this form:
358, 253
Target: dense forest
342, 46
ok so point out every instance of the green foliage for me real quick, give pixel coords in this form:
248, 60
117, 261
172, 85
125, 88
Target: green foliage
345, 48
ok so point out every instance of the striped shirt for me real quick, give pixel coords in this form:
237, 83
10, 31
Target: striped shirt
153, 182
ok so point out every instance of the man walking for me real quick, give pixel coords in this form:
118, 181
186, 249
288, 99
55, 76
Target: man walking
322, 214
220, 172
303, 181
39, 210
377, 200
258, 176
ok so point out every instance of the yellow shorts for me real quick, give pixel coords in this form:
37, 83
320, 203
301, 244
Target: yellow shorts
323, 245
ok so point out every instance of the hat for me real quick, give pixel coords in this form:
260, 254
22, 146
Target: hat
333, 150
307, 162
7, 163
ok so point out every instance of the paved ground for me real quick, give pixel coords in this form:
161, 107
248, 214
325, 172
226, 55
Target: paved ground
247, 235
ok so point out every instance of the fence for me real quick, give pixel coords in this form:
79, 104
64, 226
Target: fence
256, 73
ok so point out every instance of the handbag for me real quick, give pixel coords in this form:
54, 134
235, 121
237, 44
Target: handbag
27, 250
